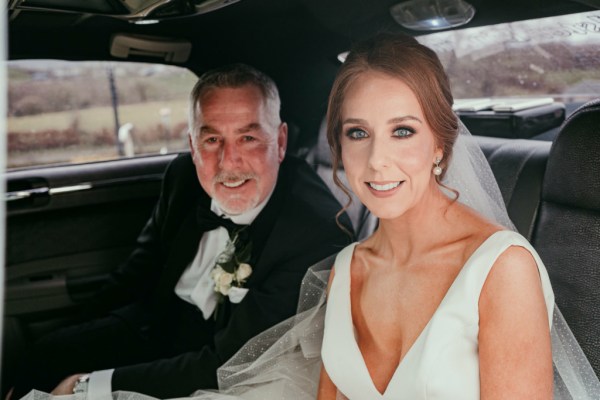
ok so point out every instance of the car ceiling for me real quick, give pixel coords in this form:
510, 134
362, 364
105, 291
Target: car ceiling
295, 41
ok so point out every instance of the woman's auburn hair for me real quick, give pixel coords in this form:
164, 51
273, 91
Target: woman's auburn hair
398, 56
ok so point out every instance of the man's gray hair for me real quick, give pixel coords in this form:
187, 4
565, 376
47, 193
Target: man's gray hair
234, 76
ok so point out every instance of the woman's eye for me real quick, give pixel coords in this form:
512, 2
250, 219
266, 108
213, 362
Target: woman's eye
356, 134
403, 132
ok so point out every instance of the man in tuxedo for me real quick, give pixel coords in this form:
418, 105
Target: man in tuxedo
217, 263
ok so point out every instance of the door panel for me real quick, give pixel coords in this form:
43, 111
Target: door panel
67, 227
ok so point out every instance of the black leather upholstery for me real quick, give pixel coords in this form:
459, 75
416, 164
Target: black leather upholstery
567, 230
518, 166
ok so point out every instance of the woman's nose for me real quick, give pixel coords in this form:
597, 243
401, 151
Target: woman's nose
378, 154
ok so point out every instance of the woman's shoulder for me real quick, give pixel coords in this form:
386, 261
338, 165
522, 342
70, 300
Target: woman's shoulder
515, 271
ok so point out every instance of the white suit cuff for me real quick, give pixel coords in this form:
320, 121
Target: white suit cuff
99, 385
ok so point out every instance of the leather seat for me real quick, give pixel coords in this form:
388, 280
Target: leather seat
518, 166
567, 230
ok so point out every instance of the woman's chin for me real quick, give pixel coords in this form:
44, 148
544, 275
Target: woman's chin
387, 213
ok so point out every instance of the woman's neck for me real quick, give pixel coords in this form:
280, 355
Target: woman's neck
417, 231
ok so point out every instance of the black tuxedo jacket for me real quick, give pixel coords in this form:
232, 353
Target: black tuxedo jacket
296, 229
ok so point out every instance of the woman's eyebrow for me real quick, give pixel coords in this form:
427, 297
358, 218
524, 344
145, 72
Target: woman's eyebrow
354, 121
404, 118
391, 121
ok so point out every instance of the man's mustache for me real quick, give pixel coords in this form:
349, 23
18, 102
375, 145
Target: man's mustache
233, 177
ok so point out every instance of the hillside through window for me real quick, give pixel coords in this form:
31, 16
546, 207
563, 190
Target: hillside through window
63, 112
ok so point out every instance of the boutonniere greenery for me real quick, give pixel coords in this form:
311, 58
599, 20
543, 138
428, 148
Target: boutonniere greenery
232, 268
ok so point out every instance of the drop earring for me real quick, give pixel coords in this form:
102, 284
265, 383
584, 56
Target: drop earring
437, 170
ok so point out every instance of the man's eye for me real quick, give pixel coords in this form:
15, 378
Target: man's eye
248, 138
403, 132
211, 140
356, 134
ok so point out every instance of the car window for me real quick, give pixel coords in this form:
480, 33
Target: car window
520, 80
556, 56
63, 112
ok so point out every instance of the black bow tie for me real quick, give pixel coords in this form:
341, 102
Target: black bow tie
208, 221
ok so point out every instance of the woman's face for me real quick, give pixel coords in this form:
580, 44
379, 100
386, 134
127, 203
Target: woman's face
388, 148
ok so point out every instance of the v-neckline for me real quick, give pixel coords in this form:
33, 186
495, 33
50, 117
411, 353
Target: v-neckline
425, 328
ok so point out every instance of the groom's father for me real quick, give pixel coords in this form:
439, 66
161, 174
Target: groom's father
217, 263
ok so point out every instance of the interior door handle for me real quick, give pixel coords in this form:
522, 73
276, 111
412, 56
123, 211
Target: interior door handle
25, 194
44, 191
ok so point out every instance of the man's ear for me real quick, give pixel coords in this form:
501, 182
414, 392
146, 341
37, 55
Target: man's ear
192, 148
282, 137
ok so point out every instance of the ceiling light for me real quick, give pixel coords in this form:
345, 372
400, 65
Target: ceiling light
432, 15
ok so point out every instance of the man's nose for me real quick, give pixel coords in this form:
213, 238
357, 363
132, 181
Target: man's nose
230, 155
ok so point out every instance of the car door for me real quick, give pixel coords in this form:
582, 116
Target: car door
77, 192
66, 228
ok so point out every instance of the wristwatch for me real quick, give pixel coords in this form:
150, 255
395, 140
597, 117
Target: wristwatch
81, 384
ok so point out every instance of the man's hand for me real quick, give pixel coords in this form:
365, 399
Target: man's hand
66, 386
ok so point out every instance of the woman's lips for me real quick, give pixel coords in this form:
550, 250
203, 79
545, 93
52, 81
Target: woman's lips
384, 189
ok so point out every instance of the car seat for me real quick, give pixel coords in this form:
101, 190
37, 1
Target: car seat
567, 230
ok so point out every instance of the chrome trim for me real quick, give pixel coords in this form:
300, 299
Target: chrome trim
73, 188
44, 190
24, 194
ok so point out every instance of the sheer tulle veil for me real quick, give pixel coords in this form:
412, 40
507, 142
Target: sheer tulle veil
284, 361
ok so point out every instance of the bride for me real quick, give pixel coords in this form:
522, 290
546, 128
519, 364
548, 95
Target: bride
444, 300
440, 302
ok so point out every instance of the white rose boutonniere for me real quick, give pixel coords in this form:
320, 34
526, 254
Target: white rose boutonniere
244, 270
232, 269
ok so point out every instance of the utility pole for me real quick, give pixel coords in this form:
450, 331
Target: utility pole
115, 105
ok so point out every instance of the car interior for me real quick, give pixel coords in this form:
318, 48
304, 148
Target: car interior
69, 224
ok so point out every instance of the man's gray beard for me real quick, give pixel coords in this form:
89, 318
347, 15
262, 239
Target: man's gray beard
232, 177
251, 205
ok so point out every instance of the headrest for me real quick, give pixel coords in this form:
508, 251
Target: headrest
573, 171
322, 153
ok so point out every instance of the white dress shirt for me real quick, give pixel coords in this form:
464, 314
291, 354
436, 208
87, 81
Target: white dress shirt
195, 285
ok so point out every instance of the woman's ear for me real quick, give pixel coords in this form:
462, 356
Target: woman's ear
438, 154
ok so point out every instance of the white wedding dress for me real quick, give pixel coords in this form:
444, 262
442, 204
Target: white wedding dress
443, 362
